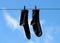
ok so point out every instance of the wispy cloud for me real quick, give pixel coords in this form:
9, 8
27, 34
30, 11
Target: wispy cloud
48, 37
11, 21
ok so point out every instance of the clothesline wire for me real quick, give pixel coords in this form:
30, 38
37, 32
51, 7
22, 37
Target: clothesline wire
37, 8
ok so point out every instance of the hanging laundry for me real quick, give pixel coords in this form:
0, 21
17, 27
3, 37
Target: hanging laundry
35, 22
24, 22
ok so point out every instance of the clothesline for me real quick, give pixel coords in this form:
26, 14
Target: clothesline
37, 8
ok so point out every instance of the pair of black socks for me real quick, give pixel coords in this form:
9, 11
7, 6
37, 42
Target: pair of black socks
35, 22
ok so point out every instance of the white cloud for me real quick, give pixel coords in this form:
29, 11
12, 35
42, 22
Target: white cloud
48, 37
11, 21
50, 33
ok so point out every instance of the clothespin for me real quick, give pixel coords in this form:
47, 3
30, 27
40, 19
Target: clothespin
24, 7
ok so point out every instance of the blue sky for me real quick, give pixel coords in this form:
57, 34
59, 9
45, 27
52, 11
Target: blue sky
11, 32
